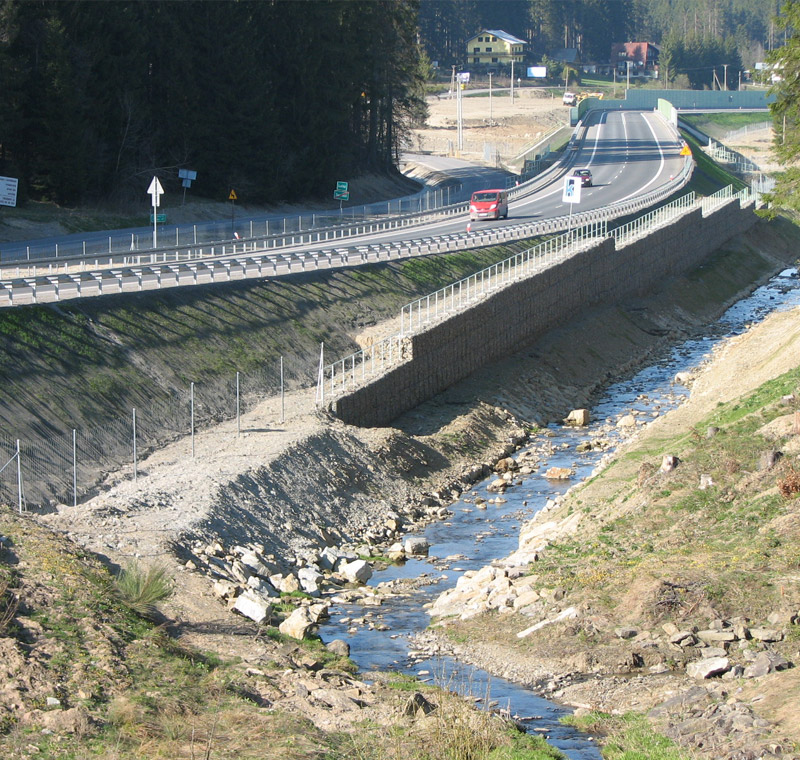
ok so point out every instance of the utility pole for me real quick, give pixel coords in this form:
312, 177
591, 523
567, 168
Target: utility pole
725, 66
628, 84
459, 118
490, 98
512, 78
452, 82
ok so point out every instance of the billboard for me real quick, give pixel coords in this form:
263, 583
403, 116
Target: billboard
537, 72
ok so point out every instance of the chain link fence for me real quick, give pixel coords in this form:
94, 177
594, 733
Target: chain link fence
63, 467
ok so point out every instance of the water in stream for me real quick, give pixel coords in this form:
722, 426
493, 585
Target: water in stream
472, 538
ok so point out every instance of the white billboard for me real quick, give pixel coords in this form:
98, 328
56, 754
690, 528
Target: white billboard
537, 72
8, 191
463, 77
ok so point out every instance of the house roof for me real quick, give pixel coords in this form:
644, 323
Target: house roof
500, 34
634, 51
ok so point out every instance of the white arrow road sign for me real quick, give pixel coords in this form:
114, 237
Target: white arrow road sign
156, 191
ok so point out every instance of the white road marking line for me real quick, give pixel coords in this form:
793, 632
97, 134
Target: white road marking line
660, 166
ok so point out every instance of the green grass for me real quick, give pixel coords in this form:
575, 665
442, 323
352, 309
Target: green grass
629, 737
141, 588
717, 124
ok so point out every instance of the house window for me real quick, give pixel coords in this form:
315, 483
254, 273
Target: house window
494, 39
480, 39
488, 50
476, 50
494, 60
476, 60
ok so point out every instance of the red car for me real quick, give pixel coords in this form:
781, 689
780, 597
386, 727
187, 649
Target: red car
585, 175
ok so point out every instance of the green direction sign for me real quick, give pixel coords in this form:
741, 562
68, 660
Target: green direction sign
341, 195
342, 187
160, 218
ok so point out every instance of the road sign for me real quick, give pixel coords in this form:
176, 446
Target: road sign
233, 196
686, 150
187, 174
572, 190
156, 191
342, 187
341, 195
160, 218
8, 191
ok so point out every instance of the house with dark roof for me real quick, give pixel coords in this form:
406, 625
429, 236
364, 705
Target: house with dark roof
494, 46
642, 57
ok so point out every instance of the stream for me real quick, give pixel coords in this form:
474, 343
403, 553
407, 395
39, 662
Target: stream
472, 538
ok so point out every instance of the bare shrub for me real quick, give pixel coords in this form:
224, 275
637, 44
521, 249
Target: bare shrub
789, 484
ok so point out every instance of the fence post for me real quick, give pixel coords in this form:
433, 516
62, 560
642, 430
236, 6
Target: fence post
135, 462
238, 419
283, 409
19, 478
191, 413
320, 400
74, 468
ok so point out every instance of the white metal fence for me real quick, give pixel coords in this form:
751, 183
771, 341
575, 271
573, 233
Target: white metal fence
368, 363
748, 129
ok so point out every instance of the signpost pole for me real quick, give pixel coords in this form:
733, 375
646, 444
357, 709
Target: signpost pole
155, 191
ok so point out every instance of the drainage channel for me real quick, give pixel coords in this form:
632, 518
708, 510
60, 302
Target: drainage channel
380, 637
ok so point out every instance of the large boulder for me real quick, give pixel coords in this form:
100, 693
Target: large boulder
252, 605
765, 662
357, 571
297, 624
309, 578
578, 417
417, 546
708, 667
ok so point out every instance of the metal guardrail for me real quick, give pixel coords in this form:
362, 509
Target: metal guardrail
214, 232
242, 259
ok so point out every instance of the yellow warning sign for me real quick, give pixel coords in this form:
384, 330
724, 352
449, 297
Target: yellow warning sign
232, 196
685, 150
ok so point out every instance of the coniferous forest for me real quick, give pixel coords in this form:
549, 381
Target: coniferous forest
275, 99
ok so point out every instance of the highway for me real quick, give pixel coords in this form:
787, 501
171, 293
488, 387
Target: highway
630, 154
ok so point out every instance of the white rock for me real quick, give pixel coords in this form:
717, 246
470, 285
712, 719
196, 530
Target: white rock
711, 666
297, 624
357, 571
579, 417
416, 545
253, 606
